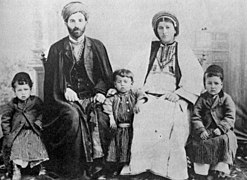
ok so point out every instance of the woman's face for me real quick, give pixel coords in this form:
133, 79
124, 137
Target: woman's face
166, 32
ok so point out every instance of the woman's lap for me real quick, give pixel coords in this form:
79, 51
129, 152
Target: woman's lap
160, 133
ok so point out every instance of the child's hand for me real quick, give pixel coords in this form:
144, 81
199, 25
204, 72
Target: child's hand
38, 124
138, 105
204, 135
111, 92
99, 98
137, 108
217, 132
113, 124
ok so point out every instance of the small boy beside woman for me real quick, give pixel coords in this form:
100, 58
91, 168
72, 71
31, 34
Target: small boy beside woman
214, 143
121, 108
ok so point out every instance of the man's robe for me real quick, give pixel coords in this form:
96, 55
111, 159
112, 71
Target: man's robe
66, 131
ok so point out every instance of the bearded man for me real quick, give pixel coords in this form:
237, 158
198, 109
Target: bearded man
77, 76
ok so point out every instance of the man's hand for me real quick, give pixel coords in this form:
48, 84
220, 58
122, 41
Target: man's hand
70, 95
217, 132
170, 96
204, 135
99, 98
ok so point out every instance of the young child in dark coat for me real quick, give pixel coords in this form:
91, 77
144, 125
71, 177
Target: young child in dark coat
21, 125
214, 142
121, 108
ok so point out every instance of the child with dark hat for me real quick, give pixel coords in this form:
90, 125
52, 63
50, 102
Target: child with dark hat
214, 143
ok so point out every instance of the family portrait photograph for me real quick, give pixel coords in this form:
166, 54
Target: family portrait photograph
123, 90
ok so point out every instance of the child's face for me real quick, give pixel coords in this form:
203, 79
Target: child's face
213, 85
123, 84
22, 92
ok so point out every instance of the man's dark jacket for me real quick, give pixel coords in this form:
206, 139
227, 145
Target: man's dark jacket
66, 139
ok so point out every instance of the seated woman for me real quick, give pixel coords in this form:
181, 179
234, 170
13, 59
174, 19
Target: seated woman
173, 82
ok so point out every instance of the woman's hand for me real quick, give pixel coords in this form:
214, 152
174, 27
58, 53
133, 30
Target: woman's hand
70, 95
217, 132
170, 96
204, 135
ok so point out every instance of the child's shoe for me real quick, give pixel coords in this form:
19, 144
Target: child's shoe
210, 177
102, 177
222, 175
16, 172
42, 170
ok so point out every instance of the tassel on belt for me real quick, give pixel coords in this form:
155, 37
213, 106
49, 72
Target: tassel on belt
124, 125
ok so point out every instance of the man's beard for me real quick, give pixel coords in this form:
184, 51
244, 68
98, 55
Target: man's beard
76, 32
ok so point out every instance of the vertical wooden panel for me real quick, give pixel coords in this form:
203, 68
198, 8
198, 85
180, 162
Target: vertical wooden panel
228, 51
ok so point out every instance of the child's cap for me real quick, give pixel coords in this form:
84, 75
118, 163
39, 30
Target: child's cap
22, 78
215, 69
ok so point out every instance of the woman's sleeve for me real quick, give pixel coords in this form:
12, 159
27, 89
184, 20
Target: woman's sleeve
191, 82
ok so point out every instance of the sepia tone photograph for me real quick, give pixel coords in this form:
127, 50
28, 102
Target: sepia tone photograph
123, 90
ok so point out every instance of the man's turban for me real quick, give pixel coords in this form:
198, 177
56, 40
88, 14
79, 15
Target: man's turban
74, 7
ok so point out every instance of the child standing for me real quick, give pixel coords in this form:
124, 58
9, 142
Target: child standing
121, 108
214, 143
21, 124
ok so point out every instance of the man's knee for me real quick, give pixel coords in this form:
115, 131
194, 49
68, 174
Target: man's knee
70, 117
72, 114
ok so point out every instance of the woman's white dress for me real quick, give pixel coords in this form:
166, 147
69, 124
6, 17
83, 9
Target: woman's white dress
161, 128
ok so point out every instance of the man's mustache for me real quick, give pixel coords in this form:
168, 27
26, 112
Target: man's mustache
75, 29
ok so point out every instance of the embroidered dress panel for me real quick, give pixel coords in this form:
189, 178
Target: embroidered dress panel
162, 71
166, 55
